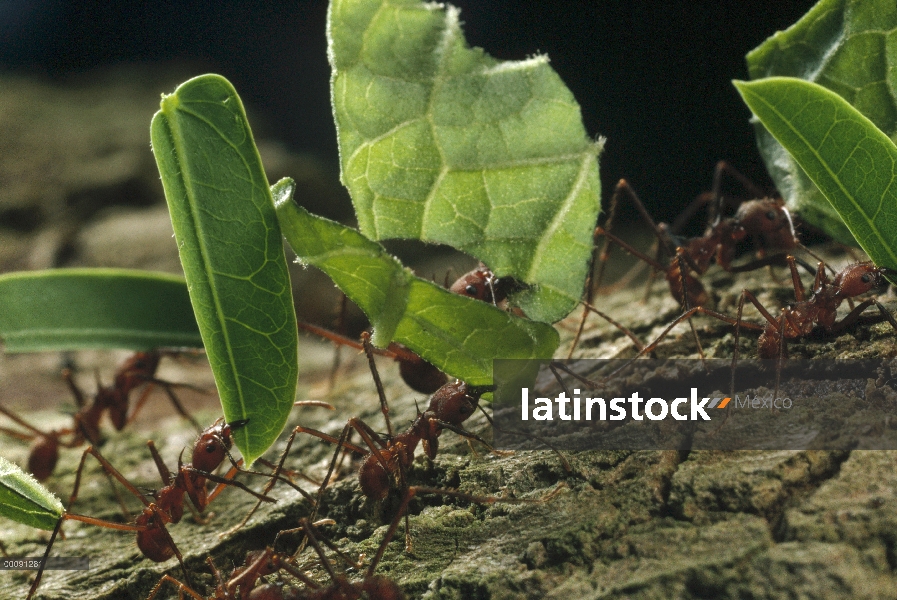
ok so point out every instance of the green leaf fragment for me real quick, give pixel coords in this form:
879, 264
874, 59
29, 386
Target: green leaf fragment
232, 253
70, 309
848, 47
459, 335
851, 161
26, 501
442, 143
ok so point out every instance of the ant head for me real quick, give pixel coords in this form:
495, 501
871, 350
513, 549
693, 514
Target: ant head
858, 279
213, 444
767, 218
478, 284
142, 363
454, 402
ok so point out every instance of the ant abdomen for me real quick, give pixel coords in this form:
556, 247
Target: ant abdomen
154, 542
420, 375
373, 479
43, 457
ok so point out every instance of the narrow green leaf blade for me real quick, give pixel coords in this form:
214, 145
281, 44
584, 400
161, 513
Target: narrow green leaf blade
851, 161
443, 143
846, 46
26, 501
459, 335
232, 253
71, 309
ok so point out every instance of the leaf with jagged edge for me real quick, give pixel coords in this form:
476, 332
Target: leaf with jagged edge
232, 253
459, 335
850, 160
843, 45
443, 143
72, 309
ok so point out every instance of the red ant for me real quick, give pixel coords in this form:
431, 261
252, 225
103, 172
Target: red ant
799, 319
386, 461
260, 563
821, 308
135, 372
153, 539
139, 369
766, 221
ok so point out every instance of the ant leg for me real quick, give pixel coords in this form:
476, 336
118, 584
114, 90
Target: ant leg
182, 588
175, 401
685, 316
722, 167
638, 344
595, 282
341, 442
340, 326
686, 305
564, 462
799, 293
413, 491
109, 471
69, 378
384, 406
854, 315
781, 357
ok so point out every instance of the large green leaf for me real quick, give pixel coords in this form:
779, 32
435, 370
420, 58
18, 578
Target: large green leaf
459, 335
844, 154
848, 47
443, 143
26, 501
69, 309
232, 253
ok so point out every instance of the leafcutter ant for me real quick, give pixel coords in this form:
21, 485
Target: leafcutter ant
167, 506
139, 370
385, 460
243, 582
766, 221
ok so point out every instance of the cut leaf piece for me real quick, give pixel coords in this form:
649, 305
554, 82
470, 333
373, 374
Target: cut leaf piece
843, 45
459, 335
232, 253
851, 161
442, 143
26, 501
71, 309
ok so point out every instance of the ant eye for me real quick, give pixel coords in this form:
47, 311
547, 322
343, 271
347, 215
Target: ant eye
211, 447
471, 290
771, 215
866, 278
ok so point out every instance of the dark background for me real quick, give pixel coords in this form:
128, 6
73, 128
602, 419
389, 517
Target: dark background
652, 77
